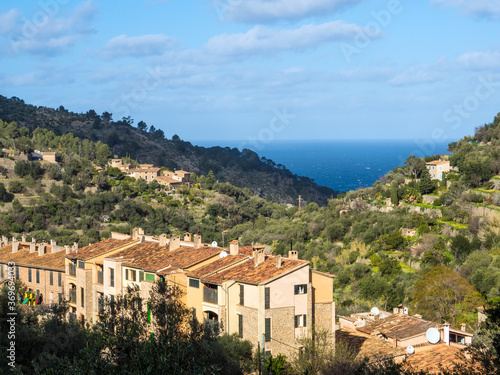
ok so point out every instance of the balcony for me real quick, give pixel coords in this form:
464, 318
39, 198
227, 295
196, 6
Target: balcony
72, 295
100, 277
210, 295
72, 269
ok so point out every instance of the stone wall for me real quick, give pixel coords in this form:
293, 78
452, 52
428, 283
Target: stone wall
250, 324
282, 331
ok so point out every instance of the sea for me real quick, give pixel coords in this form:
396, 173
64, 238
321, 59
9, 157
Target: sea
340, 165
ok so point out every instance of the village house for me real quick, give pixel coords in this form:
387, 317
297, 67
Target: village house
437, 168
250, 292
40, 266
401, 336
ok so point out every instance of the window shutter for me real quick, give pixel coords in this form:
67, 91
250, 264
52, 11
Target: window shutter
304, 322
296, 289
242, 295
296, 318
305, 288
141, 276
267, 292
268, 329
240, 325
126, 274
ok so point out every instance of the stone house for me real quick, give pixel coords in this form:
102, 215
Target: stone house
437, 168
39, 266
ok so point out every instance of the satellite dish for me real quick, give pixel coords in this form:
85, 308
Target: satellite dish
214, 244
375, 311
410, 350
433, 335
223, 254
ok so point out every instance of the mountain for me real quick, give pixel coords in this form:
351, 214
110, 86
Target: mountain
149, 145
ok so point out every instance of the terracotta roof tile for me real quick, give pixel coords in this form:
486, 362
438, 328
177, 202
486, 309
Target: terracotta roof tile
218, 265
400, 325
429, 358
362, 345
247, 272
24, 257
151, 257
99, 248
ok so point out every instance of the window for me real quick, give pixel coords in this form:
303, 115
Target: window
150, 277
111, 277
194, 283
59, 279
38, 276
242, 295
51, 278
17, 272
82, 296
29, 275
267, 298
59, 298
141, 276
267, 333
81, 264
440, 168
301, 289
130, 275
300, 321
240, 326
440, 176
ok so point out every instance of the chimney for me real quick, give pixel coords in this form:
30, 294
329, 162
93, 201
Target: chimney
175, 243
446, 333
68, 251
278, 261
32, 245
137, 233
15, 245
405, 310
258, 255
292, 254
75, 246
5, 241
53, 246
187, 237
197, 241
163, 240
463, 327
234, 247
41, 249
23, 239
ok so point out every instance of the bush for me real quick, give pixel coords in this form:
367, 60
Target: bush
16, 187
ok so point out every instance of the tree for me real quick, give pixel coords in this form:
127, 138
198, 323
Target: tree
25, 168
461, 247
426, 185
107, 117
442, 295
141, 125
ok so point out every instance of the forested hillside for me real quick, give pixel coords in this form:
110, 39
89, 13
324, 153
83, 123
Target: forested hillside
147, 144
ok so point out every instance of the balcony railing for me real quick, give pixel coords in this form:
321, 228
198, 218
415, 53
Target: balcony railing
72, 269
209, 295
100, 277
72, 295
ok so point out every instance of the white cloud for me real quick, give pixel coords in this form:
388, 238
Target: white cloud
9, 20
269, 10
138, 46
44, 33
480, 59
262, 39
480, 8
422, 74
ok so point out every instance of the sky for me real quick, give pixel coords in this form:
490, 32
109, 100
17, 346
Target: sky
261, 70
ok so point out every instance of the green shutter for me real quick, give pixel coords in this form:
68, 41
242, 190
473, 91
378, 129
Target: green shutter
268, 329
296, 287
141, 276
150, 277
296, 319
240, 325
305, 288
267, 300
51, 277
305, 322
149, 312
242, 295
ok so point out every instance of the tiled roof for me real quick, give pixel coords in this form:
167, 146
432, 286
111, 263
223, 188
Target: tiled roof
362, 345
430, 357
151, 257
167, 180
24, 257
218, 266
399, 325
247, 272
99, 248
437, 162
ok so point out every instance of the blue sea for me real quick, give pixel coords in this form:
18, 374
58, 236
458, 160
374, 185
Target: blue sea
340, 165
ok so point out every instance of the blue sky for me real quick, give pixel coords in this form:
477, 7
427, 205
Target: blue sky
261, 70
